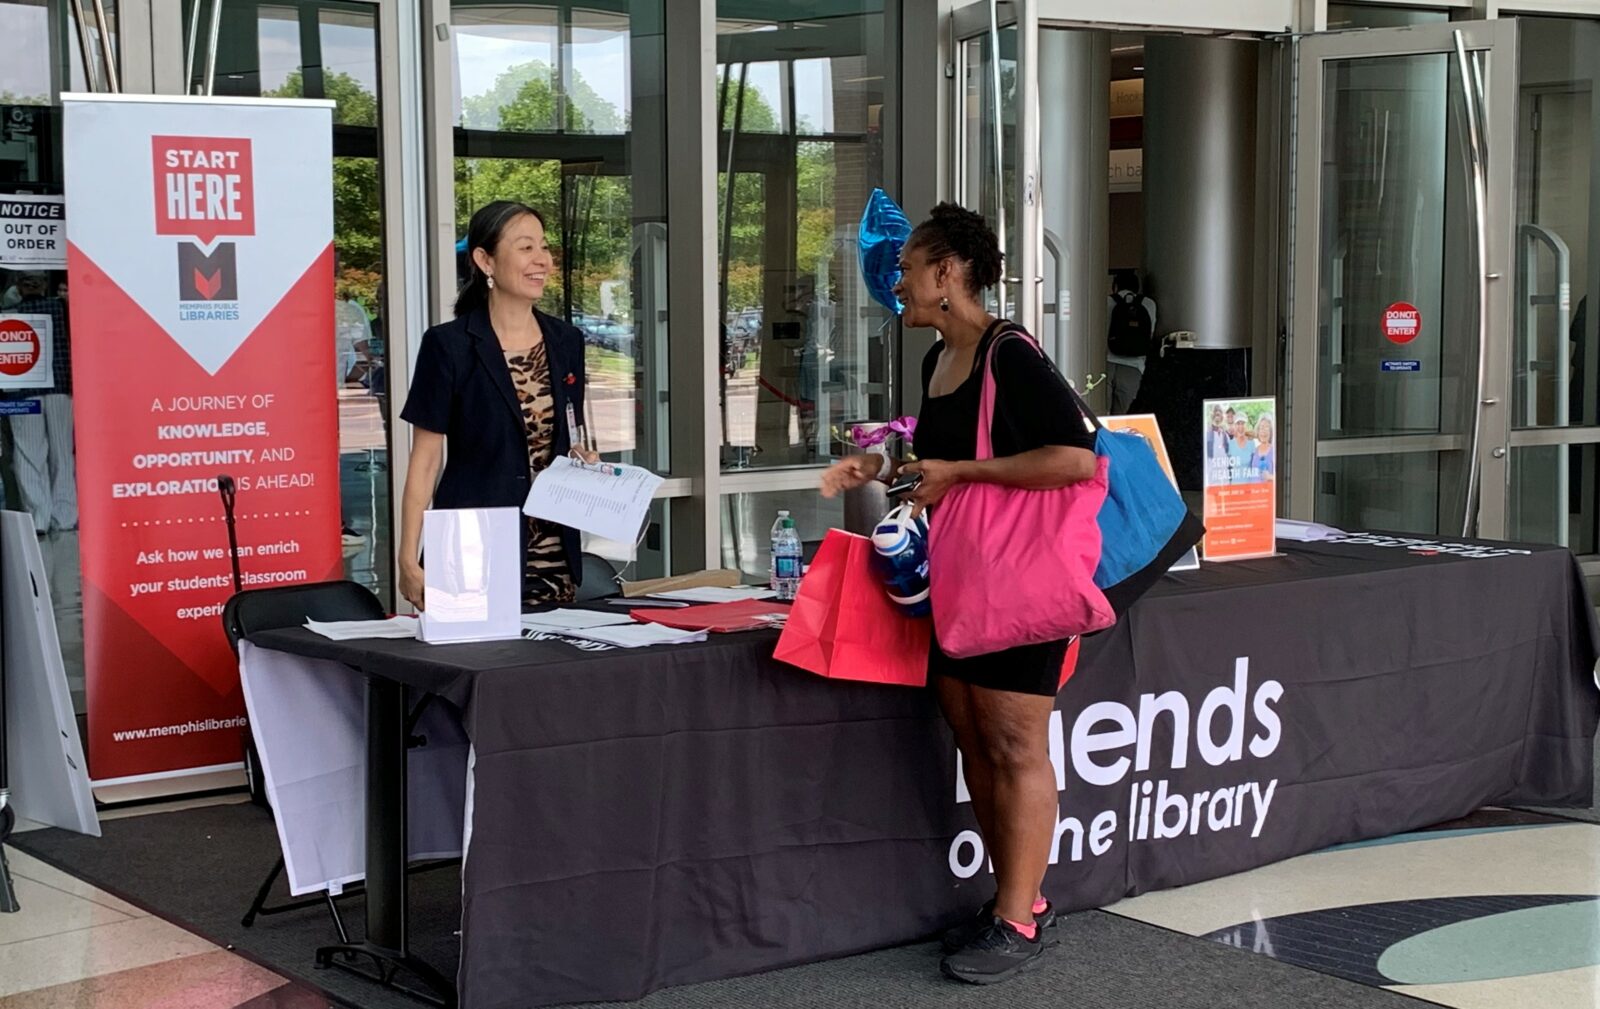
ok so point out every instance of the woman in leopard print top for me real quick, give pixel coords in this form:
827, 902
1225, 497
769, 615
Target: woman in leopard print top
547, 577
498, 385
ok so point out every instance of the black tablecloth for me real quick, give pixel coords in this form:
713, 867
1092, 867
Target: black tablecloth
649, 818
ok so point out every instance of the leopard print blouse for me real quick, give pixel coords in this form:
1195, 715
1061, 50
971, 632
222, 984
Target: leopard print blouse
549, 579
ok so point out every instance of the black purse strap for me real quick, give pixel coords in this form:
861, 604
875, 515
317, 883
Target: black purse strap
1005, 329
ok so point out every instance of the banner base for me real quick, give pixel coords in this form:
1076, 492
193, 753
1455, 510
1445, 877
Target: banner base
168, 784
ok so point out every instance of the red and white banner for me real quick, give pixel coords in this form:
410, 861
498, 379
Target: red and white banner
200, 255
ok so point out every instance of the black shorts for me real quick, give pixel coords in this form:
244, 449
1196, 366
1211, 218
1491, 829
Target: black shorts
1031, 669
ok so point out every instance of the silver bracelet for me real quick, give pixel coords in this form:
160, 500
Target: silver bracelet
884, 468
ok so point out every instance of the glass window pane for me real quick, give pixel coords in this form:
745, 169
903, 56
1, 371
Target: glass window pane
350, 65
600, 71
805, 351
1556, 340
1385, 245
765, 98
38, 34
96, 54
814, 102
978, 104
548, 96
505, 68
39, 54
315, 50
747, 527
278, 43
1396, 493
24, 53
1348, 15
1555, 496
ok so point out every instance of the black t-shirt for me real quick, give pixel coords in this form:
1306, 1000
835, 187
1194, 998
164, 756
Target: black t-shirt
1033, 405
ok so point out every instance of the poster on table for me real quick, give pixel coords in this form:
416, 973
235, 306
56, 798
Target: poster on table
1241, 486
200, 253
1145, 426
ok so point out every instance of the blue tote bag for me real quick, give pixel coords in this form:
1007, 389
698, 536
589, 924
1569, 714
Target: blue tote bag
1145, 527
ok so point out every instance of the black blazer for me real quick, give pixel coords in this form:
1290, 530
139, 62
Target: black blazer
462, 389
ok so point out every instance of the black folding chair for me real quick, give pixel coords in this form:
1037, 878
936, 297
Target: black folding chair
291, 606
599, 580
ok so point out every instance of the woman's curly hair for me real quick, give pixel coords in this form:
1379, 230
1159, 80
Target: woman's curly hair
953, 231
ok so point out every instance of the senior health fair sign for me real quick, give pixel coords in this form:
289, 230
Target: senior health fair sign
199, 239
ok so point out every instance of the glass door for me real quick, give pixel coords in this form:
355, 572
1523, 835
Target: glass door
1398, 403
1553, 491
985, 148
996, 156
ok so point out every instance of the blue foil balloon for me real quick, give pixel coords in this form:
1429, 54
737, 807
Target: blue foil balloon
884, 231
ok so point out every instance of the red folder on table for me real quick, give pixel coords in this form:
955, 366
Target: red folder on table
718, 618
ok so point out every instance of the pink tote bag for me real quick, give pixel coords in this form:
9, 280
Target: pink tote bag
1011, 567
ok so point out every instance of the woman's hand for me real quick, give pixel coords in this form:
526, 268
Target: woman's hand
849, 473
585, 455
938, 479
411, 583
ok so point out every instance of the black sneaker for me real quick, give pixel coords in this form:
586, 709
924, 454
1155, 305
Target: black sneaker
958, 938
998, 953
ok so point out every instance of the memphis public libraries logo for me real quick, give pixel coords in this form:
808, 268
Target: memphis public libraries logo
205, 190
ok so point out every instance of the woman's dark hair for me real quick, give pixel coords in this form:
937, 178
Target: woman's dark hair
954, 232
487, 227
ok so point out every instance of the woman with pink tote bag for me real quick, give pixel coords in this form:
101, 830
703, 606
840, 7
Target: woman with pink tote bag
997, 704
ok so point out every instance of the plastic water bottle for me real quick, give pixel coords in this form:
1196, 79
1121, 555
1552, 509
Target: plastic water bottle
786, 557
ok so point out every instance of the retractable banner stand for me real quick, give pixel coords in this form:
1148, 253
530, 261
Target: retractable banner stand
200, 251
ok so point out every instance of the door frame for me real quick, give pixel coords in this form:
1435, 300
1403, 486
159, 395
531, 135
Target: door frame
1484, 512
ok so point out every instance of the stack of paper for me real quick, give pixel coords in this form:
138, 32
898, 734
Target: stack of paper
604, 499
570, 620
636, 635
1304, 532
711, 594
356, 630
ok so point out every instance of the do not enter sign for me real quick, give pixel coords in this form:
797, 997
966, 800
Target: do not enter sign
1401, 322
19, 347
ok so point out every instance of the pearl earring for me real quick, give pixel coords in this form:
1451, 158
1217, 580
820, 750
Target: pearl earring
491, 283
944, 304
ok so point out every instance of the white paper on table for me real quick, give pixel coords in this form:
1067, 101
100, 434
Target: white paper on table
714, 594
604, 499
637, 635
355, 630
1304, 532
568, 620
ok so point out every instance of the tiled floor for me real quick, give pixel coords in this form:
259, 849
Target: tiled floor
1497, 912
72, 946
1486, 917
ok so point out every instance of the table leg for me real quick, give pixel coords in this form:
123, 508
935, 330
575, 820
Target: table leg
386, 947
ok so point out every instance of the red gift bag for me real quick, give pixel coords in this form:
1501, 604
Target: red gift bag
843, 626
1069, 665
